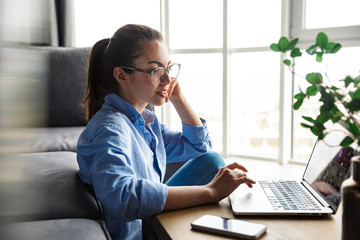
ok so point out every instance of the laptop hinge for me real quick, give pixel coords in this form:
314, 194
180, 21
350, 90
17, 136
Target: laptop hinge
316, 195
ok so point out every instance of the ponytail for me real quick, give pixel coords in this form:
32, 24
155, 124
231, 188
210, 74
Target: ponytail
95, 92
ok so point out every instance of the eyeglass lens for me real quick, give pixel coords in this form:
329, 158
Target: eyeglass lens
159, 73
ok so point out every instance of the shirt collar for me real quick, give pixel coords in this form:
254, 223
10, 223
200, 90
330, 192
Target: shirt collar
123, 106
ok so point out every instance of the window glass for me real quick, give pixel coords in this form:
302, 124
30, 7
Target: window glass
201, 81
254, 107
195, 24
254, 26
337, 67
331, 13
95, 20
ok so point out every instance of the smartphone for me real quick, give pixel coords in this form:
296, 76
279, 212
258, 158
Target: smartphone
229, 227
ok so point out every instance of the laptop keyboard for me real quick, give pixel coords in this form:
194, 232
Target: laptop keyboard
288, 195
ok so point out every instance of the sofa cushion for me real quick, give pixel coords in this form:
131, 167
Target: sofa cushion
41, 186
67, 82
48, 139
64, 229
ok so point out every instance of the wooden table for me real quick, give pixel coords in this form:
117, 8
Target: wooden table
176, 224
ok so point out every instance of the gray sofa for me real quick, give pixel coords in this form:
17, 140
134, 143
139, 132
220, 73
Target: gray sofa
41, 195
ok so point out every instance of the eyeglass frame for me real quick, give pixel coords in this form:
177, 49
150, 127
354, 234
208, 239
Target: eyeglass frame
150, 72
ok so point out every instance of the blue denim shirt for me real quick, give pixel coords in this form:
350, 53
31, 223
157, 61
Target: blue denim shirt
123, 155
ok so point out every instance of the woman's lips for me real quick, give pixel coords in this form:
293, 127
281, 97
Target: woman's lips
163, 94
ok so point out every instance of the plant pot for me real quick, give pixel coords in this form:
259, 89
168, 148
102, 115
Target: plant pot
350, 194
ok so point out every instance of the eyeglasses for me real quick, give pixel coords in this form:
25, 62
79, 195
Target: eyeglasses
157, 74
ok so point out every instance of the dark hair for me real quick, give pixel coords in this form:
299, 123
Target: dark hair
120, 50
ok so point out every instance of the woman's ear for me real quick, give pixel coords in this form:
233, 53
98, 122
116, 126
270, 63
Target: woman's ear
120, 75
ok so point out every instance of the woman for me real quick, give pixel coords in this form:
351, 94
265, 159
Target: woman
124, 149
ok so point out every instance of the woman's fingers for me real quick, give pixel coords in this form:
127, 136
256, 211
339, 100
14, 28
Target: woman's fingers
236, 165
243, 178
172, 86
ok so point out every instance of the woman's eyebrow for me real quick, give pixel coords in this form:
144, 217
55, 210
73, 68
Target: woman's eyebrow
158, 63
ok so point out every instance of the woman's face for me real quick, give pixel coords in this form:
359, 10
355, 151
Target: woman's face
139, 90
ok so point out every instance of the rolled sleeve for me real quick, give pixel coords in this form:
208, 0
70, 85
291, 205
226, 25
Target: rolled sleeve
192, 142
196, 134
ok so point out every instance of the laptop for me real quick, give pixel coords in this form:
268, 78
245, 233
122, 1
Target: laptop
317, 194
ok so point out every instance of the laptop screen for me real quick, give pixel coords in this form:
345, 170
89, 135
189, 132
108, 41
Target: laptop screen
328, 167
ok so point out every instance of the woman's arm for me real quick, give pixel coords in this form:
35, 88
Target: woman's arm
183, 108
224, 183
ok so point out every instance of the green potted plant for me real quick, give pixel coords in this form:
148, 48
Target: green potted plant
339, 103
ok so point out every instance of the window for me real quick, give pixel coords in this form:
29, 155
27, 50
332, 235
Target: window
199, 52
254, 78
193, 28
254, 111
251, 25
201, 83
338, 18
228, 73
347, 12
95, 20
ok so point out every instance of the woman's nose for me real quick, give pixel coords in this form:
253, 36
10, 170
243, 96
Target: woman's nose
166, 79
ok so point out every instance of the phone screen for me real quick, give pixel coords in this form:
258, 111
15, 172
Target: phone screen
232, 227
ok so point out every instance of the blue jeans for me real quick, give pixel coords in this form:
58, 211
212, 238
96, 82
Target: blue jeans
198, 171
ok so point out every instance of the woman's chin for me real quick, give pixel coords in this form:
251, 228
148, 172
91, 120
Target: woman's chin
158, 102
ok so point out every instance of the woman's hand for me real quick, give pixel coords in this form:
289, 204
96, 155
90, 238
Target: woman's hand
183, 108
174, 91
227, 180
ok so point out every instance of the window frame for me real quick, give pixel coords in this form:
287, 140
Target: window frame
350, 35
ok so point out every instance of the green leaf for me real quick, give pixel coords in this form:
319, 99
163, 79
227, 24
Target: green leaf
323, 117
352, 127
315, 131
348, 80
293, 43
300, 96
287, 62
314, 78
312, 90
318, 130
335, 48
346, 141
274, 47
298, 104
305, 125
354, 105
357, 93
322, 40
329, 46
311, 50
309, 119
319, 56
357, 81
336, 114
295, 53
283, 44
